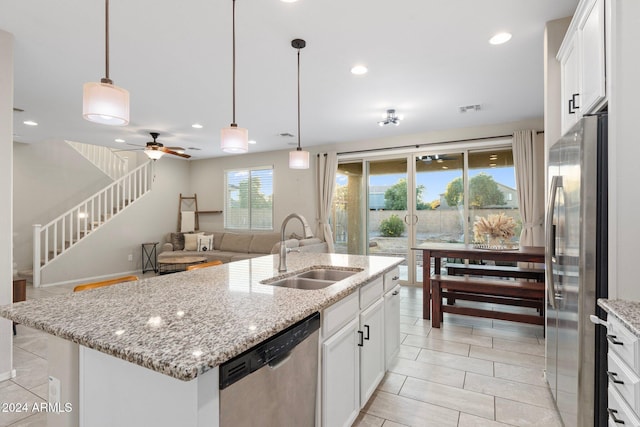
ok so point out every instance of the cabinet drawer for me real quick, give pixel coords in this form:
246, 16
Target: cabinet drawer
623, 343
620, 411
371, 292
339, 314
624, 380
391, 279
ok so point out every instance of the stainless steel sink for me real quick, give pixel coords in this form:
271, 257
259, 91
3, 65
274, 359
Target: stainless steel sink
317, 278
327, 274
302, 283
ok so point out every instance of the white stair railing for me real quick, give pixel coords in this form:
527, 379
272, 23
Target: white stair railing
61, 234
112, 164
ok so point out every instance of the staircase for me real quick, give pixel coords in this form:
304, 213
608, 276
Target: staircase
63, 233
113, 165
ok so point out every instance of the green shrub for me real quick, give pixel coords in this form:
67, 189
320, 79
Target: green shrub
392, 226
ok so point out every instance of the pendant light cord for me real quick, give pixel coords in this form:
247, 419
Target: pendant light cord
233, 21
299, 148
106, 78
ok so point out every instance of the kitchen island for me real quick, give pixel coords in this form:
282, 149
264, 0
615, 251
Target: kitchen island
182, 326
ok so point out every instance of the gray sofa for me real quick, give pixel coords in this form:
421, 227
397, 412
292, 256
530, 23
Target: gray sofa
228, 247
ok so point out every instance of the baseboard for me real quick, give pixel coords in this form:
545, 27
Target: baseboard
92, 279
7, 375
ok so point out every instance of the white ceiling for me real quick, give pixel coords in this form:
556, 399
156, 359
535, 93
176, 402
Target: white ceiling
426, 58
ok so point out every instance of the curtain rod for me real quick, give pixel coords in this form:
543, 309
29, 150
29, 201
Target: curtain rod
373, 150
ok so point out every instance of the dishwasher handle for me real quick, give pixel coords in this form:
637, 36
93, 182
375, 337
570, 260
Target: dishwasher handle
277, 362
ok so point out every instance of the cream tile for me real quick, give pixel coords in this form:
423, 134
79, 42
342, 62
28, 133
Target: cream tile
519, 347
408, 352
469, 321
467, 420
534, 376
12, 393
37, 420
506, 334
42, 390
21, 357
524, 415
504, 356
408, 320
427, 371
449, 397
435, 344
464, 336
35, 343
523, 328
31, 374
409, 411
460, 362
366, 420
525, 393
392, 382
420, 330
388, 423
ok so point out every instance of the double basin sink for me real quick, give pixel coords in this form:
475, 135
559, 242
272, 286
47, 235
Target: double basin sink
316, 278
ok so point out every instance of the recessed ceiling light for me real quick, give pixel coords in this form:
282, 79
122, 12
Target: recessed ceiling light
119, 140
445, 167
493, 165
359, 70
30, 123
500, 38
251, 141
196, 126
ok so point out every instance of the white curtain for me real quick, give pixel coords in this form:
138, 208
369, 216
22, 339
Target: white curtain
528, 159
326, 180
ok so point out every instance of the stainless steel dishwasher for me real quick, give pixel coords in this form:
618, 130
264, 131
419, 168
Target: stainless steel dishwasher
275, 382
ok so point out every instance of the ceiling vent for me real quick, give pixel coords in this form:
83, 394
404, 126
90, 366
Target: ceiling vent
467, 108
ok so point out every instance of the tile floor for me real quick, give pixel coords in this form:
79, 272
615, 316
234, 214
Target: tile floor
471, 372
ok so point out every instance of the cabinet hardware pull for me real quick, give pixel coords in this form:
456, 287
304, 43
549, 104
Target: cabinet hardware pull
612, 376
613, 340
395, 277
615, 419
367, 328
573, 100
571, 107
395, 292
361, 343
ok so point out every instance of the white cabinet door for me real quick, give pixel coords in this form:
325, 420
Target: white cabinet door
341, 377
372, 351
593, 58
391, 325
570, 76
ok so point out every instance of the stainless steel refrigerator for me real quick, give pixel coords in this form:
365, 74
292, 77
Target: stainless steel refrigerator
576, 264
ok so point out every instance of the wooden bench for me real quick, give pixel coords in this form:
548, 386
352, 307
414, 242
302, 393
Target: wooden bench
495, 270
521, 293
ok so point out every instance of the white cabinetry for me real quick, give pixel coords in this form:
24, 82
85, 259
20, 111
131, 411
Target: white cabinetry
623, 369
354, 333
582, 62
391, 316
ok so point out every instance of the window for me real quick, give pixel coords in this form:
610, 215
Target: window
249, 199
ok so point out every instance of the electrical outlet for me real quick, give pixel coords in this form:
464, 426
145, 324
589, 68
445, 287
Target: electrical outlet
54, 390
130, 258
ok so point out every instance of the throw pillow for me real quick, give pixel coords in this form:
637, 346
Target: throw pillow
205, 243
191, 241
177, 240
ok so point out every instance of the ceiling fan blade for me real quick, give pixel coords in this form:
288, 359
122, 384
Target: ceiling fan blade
166, 150
135, 145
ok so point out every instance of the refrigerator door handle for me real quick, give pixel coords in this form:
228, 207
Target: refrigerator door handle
556, 182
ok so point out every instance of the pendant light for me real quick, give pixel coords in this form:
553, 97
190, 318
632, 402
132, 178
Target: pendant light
298, 159
104, 102
234, 139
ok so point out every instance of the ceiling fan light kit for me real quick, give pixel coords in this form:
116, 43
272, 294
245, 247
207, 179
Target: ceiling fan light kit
234, 139
391, 118
153, 154
104, 102
298, 159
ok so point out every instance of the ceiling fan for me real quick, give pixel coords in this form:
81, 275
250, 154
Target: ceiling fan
154, 150
438, 158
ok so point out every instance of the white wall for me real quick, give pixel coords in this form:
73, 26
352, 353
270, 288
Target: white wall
294, 190
624, 150
105, 253
49, 178
6, 136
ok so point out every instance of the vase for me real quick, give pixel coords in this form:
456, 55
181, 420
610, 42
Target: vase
493, 240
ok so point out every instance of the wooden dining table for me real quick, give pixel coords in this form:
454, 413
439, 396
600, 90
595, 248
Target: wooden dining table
437, 251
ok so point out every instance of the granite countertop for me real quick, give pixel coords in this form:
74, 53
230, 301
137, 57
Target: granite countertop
628, 312
184, 324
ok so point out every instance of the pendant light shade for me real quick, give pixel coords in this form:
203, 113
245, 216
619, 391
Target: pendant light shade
103, 102
298, 159
234, 139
